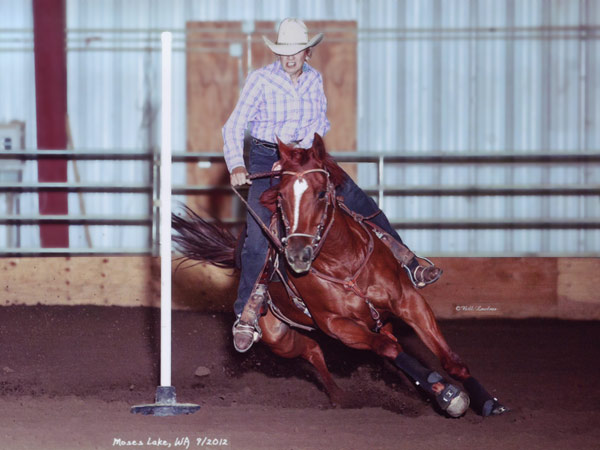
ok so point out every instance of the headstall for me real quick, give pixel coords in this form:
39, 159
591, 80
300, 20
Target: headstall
322, 229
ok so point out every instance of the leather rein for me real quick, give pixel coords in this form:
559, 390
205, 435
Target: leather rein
321, 233
272, 236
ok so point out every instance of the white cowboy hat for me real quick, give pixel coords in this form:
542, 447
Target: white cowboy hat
292, 37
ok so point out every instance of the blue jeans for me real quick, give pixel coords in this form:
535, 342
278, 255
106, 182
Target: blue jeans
361, 203
256, 244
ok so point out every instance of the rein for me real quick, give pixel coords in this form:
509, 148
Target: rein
272, 237
280, 244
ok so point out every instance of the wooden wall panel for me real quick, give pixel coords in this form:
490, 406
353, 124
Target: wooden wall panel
112, 281
214, 79
481, 288
494, 287
335, 57
103, 281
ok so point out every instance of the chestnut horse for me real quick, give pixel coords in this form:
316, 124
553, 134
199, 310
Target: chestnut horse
341, 279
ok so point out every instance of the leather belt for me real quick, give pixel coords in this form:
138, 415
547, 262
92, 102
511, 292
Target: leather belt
264, 143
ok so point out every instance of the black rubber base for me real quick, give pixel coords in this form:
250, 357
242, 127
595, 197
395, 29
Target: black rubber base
165, 405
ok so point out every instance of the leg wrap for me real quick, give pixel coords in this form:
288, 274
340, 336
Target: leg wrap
481, 400
451, 399
413, 368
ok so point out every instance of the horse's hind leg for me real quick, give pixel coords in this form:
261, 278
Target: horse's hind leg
288, 343
415, 311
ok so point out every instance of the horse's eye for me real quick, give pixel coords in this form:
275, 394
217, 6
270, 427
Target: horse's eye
322, 195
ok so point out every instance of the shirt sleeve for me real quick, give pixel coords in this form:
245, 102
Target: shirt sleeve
245, 110
321, 124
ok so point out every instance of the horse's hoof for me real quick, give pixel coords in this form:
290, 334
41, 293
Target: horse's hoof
458, 405
339, 399
453, 400
494, 408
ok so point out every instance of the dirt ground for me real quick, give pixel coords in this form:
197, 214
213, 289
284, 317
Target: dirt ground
69, 376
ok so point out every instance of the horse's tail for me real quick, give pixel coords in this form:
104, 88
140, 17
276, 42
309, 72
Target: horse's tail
199, 240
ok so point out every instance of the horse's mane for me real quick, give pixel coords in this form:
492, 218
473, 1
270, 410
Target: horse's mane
300, 159
269, 198
336, 173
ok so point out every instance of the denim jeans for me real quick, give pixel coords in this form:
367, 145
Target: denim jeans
256, 244
359, 202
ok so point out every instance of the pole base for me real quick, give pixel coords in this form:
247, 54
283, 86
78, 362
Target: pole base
165, 405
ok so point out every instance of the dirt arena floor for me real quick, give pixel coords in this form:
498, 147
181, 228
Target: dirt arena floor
69, 376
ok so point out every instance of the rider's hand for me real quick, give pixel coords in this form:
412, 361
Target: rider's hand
276, 166
239, 176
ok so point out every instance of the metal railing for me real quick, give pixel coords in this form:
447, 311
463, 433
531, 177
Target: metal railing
380, 190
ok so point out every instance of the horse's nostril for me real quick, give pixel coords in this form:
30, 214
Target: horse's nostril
306, 254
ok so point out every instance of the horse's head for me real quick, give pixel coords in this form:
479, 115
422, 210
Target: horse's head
306, 196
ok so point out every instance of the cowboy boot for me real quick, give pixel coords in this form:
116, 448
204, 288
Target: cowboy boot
246, 330
420, 275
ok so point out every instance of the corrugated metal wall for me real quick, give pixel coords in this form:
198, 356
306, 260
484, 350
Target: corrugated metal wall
434, 76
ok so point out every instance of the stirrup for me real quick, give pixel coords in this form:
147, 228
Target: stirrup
418, 273
246, 327
252, 332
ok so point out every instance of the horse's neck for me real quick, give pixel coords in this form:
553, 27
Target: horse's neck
345, 245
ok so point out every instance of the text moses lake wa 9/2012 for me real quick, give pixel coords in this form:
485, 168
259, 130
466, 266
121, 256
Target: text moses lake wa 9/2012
179, 442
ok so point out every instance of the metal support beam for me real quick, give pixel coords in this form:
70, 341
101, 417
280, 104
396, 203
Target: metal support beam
49, 23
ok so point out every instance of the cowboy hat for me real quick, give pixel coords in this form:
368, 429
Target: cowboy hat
292, 37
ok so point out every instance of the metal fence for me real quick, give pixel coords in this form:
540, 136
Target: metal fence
384, 188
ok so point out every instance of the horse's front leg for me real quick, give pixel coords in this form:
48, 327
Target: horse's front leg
415, 311
288, 343
357, 335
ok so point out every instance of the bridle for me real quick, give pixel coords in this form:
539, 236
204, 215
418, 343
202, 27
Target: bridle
350, 282
322, 229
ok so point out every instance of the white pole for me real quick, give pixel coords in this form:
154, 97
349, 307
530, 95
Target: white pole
165, 404
165, 213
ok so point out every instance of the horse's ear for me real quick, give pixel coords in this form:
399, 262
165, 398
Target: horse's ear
319, 147
284, 150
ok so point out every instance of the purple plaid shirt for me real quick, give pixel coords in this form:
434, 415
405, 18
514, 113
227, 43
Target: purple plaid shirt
273, 107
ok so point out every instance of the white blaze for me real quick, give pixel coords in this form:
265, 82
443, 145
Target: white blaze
300, 186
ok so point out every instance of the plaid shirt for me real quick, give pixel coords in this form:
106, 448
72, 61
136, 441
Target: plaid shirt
273, 107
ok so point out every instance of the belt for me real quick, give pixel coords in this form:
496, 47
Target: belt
264, 143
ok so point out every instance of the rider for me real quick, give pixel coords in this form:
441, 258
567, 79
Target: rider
285, 99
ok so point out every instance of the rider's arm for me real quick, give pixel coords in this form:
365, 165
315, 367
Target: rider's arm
320, 124
245, 110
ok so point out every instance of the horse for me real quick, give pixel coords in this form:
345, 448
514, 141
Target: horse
336, 273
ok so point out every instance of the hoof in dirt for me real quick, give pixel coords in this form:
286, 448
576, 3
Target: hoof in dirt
493, 408
454, 401
458, 405
340, 400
